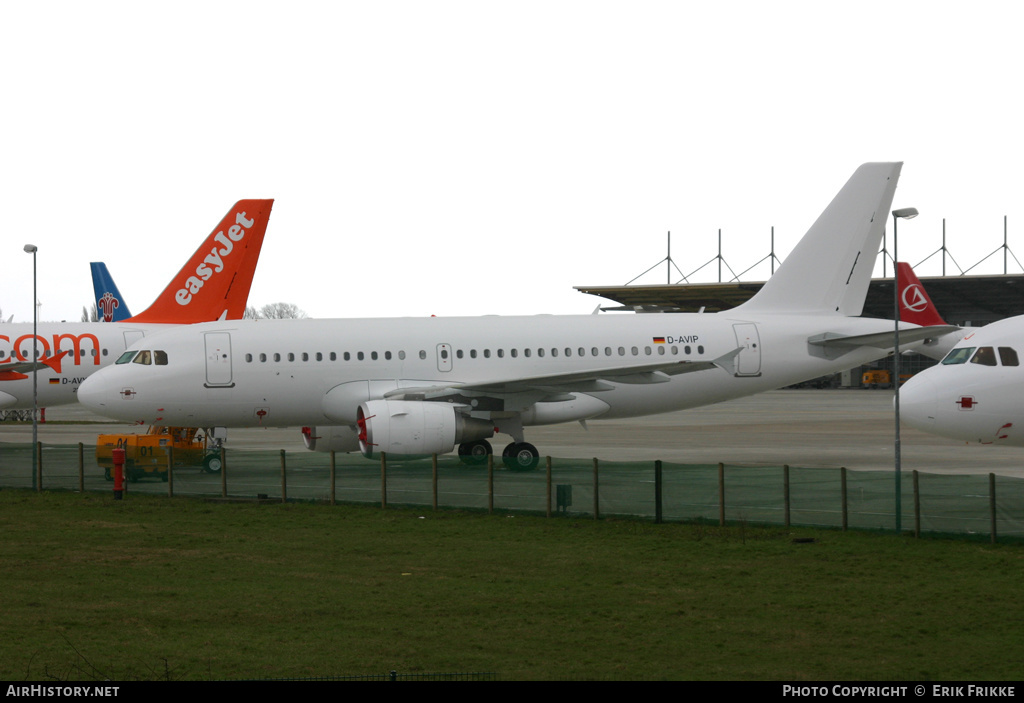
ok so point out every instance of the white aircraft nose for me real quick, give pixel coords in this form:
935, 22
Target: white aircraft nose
6, 400
93, 393
918, 402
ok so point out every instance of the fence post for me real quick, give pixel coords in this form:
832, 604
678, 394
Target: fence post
223, 472
992, 503
332, 478
490, 484
597, 504
39, 467
917, 507
433, 464
548, 464
657, 492
721, 494
383, 480
81, 468
170, 470
845, 507
284, 480
785, 491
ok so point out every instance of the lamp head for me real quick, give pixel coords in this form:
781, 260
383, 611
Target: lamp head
30, 248
906, 213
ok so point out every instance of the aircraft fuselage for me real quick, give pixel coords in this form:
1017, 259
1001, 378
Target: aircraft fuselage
300, 372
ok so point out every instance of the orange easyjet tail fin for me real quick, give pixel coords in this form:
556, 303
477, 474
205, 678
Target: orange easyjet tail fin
915, 305
215, 282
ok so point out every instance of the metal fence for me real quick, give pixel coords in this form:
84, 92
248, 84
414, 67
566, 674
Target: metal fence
982, 504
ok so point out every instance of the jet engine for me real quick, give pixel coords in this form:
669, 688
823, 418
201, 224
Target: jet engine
333, 438
411, 427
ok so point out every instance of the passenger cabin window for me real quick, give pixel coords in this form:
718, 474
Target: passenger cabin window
958, 356
986, 356
1008, 356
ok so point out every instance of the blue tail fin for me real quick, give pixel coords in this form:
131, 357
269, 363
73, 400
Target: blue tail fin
110, 306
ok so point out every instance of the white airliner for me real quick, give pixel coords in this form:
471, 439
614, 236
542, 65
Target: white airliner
974, 393
214, 284
411, 386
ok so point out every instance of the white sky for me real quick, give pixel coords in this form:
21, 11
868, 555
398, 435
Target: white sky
484, 157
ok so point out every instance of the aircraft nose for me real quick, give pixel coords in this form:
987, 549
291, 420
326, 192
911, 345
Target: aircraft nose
918, 402
93, 393
6, 399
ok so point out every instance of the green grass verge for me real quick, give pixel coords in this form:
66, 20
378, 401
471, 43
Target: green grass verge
152, 588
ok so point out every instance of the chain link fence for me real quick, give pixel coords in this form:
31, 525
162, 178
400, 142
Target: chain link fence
983, 504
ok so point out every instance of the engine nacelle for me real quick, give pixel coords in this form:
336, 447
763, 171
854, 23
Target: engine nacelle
412, 427
333, 438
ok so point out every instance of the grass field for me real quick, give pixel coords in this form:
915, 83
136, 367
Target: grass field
151, 588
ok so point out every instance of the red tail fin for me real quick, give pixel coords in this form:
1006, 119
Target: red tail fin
915, 305
216, 280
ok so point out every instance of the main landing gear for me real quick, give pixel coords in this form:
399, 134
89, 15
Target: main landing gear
517, 456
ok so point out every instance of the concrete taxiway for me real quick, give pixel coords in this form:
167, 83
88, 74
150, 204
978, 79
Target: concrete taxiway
806, 428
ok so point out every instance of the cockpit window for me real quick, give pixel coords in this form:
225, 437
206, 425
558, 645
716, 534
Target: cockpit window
1008, 356
144, 357
126, 357
160, 358
986, 356
959, 356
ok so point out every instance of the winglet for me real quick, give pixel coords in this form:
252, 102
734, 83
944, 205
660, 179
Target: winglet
110, 305
829, 270
916, 305
216, 280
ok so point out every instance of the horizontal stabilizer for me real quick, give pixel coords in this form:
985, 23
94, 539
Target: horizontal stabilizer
833, 345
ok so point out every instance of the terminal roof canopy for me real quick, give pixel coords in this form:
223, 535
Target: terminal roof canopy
976, 300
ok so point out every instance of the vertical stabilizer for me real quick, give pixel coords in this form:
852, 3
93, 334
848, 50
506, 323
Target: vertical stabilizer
215, 282
829, 270
916, 305
110, 305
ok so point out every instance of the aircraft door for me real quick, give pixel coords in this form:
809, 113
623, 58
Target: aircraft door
748, 362
444, 357
218, 359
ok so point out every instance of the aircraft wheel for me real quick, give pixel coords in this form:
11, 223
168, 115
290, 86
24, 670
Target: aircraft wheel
475, 453
212, 464
521, 456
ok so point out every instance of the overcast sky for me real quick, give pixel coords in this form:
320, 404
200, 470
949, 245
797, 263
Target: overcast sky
465, 158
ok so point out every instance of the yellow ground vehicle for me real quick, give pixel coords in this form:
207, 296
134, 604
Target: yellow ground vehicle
146, 454
878, 378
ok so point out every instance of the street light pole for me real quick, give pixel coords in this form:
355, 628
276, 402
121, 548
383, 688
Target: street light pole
32, 249
907, 213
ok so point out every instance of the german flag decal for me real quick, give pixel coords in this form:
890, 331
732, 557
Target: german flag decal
659, 340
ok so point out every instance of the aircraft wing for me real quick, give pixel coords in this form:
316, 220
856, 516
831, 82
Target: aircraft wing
590, 381
51, 362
